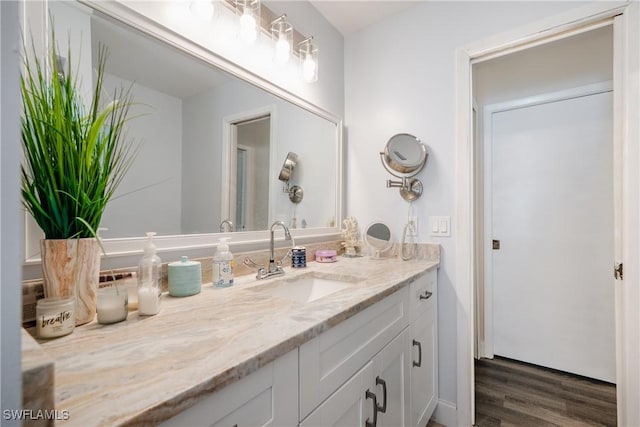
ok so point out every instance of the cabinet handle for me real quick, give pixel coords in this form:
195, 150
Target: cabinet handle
368, 423
419, 362
383, 383
426, 295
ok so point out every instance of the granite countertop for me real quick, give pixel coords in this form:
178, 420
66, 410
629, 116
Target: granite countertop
147, 369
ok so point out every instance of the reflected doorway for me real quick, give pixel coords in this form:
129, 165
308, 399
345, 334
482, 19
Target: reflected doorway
249, 173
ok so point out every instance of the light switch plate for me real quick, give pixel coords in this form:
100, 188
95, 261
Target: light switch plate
440, 226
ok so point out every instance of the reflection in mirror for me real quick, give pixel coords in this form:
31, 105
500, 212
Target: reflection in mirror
378, 237
211, 144
249, 173
286, 175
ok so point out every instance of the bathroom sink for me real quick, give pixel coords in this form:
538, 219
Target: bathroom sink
307, 287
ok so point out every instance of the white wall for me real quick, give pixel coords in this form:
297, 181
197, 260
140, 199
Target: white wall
575, 61
399, 77
157, 132
294, 130
313, 141
72, 32
10, 212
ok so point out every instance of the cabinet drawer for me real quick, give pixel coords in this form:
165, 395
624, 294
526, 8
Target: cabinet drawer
423, 293
266, 397
328, 360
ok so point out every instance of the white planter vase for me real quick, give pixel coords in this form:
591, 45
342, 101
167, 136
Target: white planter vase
72, 267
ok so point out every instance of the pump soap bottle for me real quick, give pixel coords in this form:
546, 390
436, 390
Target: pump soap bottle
223, 265
149, 279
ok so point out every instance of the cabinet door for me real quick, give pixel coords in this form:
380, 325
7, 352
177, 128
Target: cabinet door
328, 360
424, 367
392, 383
267, 397
348, 405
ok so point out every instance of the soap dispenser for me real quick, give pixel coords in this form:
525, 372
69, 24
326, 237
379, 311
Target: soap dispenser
149, 279
223, 265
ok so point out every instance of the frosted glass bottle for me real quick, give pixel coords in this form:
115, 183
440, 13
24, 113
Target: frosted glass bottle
149, 280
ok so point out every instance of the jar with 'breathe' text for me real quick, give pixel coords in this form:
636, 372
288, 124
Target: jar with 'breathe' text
55, 316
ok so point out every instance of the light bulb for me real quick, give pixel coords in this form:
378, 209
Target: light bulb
248, 32
309, 69
202, 9
282, 51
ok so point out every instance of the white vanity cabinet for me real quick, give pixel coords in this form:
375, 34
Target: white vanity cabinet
423, 339
378, 368
375, 396
357, 365
267, 397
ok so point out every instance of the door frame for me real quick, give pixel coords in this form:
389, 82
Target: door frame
626, 143
485, 186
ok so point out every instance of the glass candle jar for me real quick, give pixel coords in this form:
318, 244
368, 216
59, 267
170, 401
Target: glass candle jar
55, 316
112, 304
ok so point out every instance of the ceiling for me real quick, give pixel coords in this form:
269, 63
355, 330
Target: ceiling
349, 16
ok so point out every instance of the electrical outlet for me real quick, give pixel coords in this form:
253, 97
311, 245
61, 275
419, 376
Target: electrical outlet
413, 232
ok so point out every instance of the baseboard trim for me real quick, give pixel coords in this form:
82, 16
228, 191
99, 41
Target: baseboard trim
445, 413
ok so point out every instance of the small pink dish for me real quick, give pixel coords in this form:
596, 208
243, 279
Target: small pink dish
326, 255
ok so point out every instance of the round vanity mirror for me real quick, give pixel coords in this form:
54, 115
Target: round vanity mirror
405, 153
404, 157
378, 237
287, 167
295, 192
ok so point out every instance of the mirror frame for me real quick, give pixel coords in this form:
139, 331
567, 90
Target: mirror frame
119, 251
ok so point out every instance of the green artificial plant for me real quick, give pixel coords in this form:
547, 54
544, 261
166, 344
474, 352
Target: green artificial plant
74, 156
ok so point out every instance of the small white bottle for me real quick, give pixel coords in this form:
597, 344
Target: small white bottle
222, 265
149, 279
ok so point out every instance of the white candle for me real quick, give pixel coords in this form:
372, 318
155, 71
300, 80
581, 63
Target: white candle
112, 306
148, 300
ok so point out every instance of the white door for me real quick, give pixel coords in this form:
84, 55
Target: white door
552, 212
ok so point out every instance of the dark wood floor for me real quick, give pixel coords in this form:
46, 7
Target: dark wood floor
511, 393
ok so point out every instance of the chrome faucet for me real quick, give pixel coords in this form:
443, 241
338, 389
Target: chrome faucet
275, 267
228, 223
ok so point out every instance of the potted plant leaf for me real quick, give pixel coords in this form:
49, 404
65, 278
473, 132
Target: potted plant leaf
75, 155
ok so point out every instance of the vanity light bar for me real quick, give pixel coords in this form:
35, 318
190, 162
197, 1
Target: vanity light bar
267, 16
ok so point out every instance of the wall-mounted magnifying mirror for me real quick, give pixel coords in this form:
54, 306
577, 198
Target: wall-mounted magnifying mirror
295, 192
379, 239
404, 157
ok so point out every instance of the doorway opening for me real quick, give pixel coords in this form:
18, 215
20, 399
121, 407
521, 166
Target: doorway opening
544, 229
250, 147
626, 25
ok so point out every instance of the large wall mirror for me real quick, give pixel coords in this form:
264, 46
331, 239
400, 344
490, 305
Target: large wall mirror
211, 144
